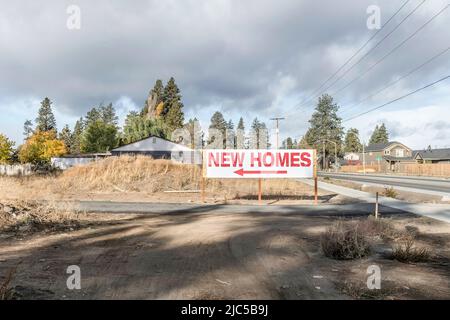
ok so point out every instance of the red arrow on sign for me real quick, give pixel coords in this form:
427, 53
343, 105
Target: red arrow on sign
243, 172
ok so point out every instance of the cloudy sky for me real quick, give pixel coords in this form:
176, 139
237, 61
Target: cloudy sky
252, 58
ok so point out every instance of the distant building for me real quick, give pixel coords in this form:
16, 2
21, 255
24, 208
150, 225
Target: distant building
71, 160
432, 156
387, 155
352, 159
159, 148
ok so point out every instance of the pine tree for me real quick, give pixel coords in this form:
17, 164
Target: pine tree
325, 125
259, 138
76, 137
241, 125
108, 115
195, 131
27, 129
218, 123
154, 100
66, 136
171, 96
99, 137
6, 149
175, 116
383, 135
137, 128
374, 137
352, 142
92, 116
46, 119
379, 135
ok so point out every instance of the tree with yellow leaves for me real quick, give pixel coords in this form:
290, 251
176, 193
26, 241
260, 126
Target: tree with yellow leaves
41, 147
6, 149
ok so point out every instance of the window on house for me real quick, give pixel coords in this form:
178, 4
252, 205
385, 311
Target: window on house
400, 153
154, 140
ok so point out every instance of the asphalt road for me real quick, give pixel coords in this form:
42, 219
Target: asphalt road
326, 210
428, 184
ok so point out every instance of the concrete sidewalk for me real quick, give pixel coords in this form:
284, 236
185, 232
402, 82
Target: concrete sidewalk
436, 211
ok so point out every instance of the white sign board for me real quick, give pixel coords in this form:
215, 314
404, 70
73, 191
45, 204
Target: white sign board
258, 163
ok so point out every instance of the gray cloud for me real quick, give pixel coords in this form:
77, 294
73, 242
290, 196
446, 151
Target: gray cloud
225, 53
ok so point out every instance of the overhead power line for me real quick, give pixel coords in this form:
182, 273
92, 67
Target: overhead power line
358, 51
392, 50
397, 99
399, 79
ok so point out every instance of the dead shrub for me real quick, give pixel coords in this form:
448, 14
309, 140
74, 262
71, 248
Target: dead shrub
32, 216
382, 228
406, 251
390, 192
344, 242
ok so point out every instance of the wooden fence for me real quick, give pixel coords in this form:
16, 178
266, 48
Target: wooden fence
427, 169
410, 169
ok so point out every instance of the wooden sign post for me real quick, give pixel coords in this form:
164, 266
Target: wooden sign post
259, 191
316, 191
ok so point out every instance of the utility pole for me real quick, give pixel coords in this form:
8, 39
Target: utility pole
277, 119
323, 160
364, 158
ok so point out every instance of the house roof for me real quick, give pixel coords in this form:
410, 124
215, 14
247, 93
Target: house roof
152, 143
433, 154
381, 146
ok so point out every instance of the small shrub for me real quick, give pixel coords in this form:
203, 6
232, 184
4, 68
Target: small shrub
326, 178
390, 192
344, 242
406, 252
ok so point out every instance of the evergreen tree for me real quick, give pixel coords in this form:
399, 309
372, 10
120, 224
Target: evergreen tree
92, 116
195, 131
99, 137
383, 135
288, 143
352, 142
76, 137
66, 136
154, 99
175, 116
6, 149
325, 124
45, 120
379, 135
218, 123
108, 114
171, 97
241, 125
27, 129
137, 128
259, 138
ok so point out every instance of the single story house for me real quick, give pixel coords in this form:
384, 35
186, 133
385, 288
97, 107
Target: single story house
432, 156
71, 160
159, 148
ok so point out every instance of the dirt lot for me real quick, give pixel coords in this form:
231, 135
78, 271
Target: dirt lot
216, 256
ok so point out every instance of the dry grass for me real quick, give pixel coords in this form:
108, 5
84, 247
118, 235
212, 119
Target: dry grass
31, 216
406, 251
344, 241
390, 192
127, 174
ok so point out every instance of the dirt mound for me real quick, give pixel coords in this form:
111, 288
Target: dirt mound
127, 173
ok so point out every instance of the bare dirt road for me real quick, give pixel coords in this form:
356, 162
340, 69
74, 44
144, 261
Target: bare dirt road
210, 255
